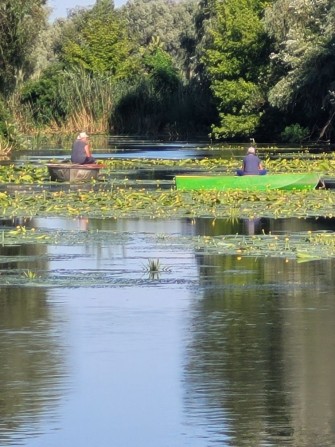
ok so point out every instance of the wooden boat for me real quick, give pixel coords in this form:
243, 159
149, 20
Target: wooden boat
73, 173
289, 181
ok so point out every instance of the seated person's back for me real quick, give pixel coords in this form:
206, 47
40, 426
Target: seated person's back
80, 150
252, 165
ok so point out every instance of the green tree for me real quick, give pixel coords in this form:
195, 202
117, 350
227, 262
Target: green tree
91, 53
168, 21
204, 19
97, 40
303, 62
236, 63
21, 22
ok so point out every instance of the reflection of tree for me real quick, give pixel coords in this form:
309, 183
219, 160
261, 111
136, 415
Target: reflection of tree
306, 293
250, 365
22, 257
234, 361
217, 227
31, 360
308, 351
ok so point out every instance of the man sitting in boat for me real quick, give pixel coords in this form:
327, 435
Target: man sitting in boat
252, 165
81, 153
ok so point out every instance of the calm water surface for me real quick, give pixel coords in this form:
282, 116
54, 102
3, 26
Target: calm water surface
212, 352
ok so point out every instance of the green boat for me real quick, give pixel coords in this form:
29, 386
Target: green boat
290, 181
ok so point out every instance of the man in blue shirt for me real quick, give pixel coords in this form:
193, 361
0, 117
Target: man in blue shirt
252, 165
81, 153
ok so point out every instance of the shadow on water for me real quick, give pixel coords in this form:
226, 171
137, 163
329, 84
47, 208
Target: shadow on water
32, 350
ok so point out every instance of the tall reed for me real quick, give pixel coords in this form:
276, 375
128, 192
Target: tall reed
80, 101
87, 100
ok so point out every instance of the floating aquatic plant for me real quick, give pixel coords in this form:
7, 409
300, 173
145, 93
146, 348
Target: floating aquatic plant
155, 268
29, 274
124, 198
123, 203
300, 245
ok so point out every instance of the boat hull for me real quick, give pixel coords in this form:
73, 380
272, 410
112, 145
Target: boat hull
73, 173
248, 182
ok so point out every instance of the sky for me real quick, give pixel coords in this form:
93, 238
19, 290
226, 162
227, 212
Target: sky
60, 7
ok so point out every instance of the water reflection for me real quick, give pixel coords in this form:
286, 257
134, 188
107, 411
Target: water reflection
259, 365
32, 363
22, 258
225, 352
217, 227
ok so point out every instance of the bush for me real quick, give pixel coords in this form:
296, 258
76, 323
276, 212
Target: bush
43, 99
294, 133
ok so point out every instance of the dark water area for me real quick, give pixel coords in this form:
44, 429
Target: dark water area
212, 351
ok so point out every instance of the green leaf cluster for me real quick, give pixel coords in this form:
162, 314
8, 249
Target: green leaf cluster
10, 136
159, 65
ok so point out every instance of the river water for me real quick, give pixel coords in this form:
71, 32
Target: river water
213, 350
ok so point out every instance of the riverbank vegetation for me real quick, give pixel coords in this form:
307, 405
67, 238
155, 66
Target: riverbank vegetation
234, 69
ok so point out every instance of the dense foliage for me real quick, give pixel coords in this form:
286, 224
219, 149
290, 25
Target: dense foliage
236, 69
303, 62
21, 22
169, 23
236, 60
97, 40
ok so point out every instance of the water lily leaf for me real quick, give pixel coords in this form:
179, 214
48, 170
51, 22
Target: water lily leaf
304, 256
